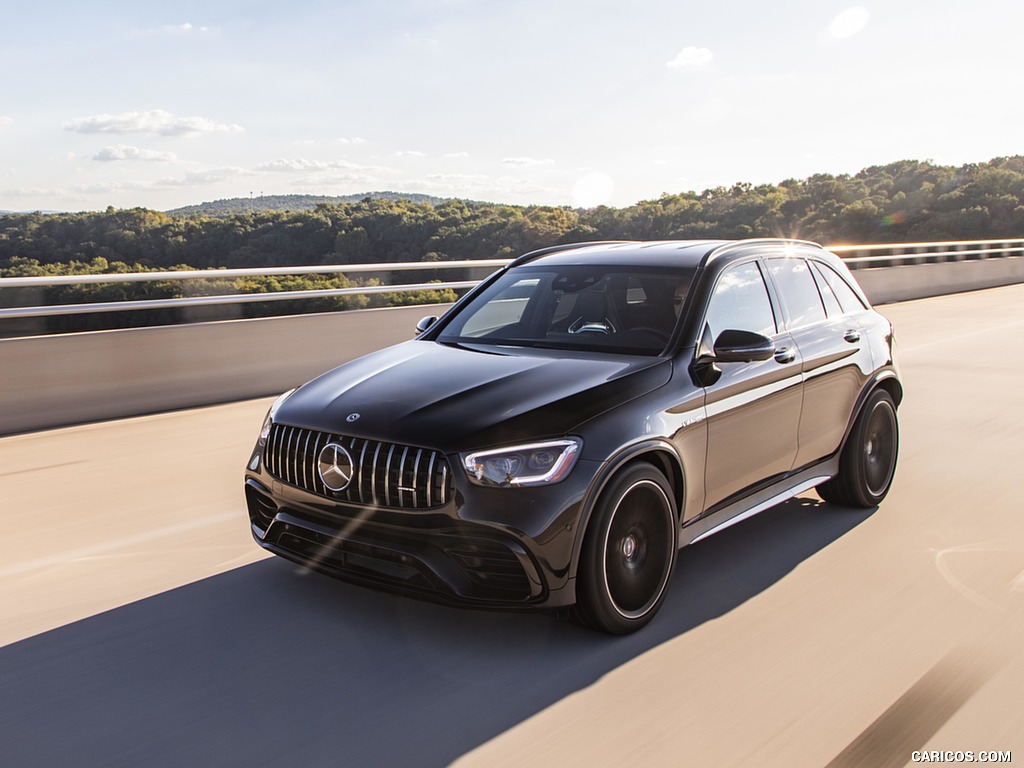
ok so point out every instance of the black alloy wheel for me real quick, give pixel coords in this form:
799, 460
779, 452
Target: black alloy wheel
868, 462
629, 552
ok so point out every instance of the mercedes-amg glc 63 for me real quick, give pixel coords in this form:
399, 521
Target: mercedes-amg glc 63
555, 437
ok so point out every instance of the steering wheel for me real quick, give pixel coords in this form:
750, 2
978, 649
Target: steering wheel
593, 326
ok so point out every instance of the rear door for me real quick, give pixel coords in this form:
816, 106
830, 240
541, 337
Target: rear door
833, 351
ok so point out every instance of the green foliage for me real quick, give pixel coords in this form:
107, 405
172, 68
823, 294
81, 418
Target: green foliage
899, 202
289, 203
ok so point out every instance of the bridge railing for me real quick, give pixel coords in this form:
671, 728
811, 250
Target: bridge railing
907, 254
236, 298
858, 257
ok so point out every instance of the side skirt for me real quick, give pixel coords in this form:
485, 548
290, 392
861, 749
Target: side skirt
764, 499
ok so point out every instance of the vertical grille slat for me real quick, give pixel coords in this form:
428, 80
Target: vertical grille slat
307, 480
416, 477
374, 494
293, 456
318, 484
269, 454
430, 478
288, 456
385, 474
359, 472
388, 477
401, 478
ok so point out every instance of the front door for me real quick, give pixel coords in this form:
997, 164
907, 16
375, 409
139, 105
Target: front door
753, 410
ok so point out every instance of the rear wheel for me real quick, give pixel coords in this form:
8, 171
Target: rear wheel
629, 552
868, 461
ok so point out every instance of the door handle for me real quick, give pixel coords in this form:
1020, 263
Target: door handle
784, 355
852, 335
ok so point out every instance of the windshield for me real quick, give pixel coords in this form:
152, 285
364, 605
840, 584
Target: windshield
617, 309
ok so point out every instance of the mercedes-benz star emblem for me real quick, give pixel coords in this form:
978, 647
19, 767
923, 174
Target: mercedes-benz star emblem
335, 467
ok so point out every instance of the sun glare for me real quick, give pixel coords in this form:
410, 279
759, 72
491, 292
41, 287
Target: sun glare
850, 22
592, 190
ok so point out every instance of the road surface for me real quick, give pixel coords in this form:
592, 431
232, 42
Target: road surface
140, 626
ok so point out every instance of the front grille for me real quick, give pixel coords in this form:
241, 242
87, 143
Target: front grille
384, 474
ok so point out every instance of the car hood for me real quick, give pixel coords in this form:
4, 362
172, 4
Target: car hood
458, 398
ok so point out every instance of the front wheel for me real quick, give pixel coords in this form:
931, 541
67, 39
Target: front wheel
629, 552
868, 461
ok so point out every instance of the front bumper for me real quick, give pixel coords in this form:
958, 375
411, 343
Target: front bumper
486, 547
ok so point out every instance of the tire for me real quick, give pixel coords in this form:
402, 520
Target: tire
868, 462
629, 552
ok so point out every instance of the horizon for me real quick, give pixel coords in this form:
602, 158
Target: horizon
574, 104
393, 194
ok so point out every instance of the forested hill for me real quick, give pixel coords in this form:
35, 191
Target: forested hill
291, 203
900, 202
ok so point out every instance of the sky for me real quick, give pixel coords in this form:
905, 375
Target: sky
561, 102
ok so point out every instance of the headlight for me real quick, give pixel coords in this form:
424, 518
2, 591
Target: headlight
268, 422
533, 464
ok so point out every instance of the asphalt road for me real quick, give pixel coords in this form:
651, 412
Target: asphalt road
140, 626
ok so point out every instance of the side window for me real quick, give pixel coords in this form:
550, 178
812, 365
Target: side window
832, 307
799, 293
847, 297
740, 302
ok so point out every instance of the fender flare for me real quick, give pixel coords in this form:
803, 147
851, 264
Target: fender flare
885, 378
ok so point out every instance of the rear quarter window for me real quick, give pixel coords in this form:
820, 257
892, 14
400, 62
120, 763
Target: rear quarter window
847, 297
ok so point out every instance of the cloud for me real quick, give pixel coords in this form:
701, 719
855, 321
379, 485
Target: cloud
123, 152
850, 22
410, 153
479, 187
522, 162
155, 121
5, 121
301, 165
691, 58
32, 192
328, 184
204, 177
353, 140
456, 154
183, 29
421, 42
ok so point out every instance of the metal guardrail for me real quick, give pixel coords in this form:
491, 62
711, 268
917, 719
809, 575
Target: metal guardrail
235, 298
906, 254
856, 256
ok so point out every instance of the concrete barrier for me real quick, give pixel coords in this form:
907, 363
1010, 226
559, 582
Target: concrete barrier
50, 381
919, 281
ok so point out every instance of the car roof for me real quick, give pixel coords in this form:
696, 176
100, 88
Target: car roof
654, 253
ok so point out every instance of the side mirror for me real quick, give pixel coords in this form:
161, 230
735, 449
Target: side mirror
742, 347
424, 323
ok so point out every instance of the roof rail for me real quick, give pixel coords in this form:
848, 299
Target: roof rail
753, 241
776, 241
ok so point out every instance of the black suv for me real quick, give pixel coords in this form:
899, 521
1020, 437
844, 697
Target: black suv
559, 433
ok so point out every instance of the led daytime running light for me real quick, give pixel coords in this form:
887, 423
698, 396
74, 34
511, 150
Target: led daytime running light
540, 463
